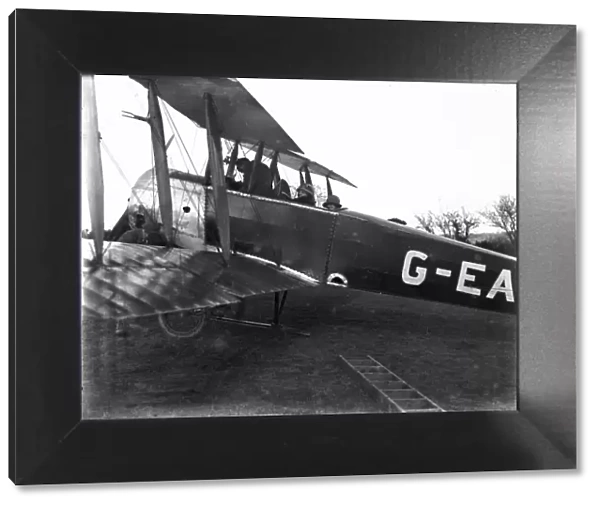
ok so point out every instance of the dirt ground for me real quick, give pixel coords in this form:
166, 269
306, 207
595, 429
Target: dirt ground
461, 358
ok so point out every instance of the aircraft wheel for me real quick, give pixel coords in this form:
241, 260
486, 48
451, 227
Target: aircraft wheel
183, 324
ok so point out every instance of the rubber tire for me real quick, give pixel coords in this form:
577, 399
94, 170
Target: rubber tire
162, 320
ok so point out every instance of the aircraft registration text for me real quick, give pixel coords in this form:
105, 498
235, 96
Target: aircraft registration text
414, 273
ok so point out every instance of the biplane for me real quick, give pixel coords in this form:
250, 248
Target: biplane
214, 246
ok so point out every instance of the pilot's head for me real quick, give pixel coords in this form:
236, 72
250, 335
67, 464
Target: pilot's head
140, 219
243, 165
305, 191
332, 203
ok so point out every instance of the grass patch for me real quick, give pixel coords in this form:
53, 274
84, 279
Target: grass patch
463, 359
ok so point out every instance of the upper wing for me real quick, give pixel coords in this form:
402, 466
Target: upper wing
296, 161
241, 117
138, 280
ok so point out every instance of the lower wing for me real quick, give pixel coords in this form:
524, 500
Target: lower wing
139, 280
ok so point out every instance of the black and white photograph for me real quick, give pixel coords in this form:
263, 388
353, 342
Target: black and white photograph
297, 247
254, 246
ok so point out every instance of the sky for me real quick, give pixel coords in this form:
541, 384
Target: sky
409, 147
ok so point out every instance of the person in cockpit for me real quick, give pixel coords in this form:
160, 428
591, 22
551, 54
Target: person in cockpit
155, 235
282, 190
230, 180
332, 203
257, 180
305, 194
137, 234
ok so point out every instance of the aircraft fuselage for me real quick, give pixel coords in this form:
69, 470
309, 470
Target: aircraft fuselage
348, 248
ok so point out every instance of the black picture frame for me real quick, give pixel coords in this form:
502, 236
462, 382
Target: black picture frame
49, 441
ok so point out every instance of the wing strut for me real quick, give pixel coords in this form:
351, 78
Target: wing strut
275, 177
329, 191
232, 159
161, 169
92, 163
160, 162
215, 168
257, 159
307, 176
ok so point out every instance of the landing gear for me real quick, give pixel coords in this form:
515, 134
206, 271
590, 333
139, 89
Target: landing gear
183, 324
188, 324
278, 307
278, 303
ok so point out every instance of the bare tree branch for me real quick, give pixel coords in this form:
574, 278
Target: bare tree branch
456, 225
503, 215
426, 222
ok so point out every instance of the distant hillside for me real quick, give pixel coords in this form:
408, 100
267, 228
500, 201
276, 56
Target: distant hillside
484, 236
495, 241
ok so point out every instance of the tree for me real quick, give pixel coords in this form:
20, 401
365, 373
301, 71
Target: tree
320, 194
456, 225
426, 222
465, 224
503, 215
443, 223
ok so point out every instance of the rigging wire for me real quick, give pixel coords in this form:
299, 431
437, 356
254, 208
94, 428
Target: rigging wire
250, 148
194, 141
184, 158
185, 193
179, 138
180, 144
114, 161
